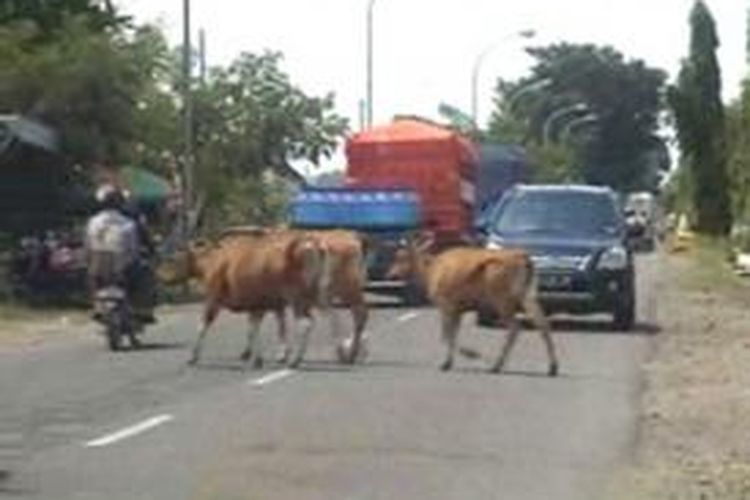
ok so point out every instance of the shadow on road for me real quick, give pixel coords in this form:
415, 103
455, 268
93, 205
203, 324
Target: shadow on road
161, 346
223, 366
397, 364
541, 373
588, 326
6, 488
397, 305
598, 327
325, 367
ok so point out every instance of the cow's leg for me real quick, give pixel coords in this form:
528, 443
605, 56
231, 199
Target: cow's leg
210, 312
253, 350
534, 309
308, 322
510, 318
252, 318
450, 322
285, 348
337, 338
359, 313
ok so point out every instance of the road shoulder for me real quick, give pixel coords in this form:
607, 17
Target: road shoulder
693, 426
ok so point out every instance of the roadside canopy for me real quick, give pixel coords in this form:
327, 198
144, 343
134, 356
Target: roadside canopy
146, 187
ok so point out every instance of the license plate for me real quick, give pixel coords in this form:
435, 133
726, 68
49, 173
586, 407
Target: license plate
111, 293
555, 281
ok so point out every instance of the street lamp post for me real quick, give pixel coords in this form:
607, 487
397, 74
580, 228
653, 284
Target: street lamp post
547, 129
526, 89
478, 66
583, 120
370, 8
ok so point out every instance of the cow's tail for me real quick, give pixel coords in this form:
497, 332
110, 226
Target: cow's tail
525, 286
325, 276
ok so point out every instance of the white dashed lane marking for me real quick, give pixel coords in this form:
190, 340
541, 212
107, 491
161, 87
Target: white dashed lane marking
271, 378
159, 420
129, 432
407, 317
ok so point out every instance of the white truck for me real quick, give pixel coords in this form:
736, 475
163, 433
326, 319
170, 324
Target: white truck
641, 213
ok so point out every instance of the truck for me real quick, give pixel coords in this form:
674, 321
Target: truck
501, 166
641, 211
401, 177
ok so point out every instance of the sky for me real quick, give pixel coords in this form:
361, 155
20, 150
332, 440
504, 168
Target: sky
424, 50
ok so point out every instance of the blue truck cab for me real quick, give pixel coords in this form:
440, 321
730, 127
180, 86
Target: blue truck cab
384, 216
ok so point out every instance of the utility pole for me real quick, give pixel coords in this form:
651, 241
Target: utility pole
370, 7
202, 54
361, 115
187, 103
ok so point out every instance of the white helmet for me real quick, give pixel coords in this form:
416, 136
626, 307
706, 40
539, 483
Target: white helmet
110, 196
104, 191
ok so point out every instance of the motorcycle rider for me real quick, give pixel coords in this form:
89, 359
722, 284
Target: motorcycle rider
115, 251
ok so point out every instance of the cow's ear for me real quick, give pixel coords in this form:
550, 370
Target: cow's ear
199, 244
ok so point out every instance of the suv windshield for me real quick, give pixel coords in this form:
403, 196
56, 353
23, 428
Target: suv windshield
568, 212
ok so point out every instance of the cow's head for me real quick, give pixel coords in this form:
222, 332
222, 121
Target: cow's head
411, 257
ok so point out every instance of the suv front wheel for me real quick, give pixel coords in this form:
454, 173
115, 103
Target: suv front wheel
624, 311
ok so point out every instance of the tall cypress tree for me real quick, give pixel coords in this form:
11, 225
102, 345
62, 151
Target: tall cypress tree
701, 127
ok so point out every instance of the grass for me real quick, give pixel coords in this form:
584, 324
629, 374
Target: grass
712, 270
21, 324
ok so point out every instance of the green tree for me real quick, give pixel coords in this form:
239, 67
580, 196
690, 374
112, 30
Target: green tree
701, 126
76, 67
624, 95
86, 83
738, 145
252, 120
48, 16
112, 89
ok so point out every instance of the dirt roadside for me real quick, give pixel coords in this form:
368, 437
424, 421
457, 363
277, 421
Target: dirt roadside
694, 438
22, 328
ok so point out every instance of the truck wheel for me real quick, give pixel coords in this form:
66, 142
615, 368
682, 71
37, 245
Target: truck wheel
486, 318
413, 295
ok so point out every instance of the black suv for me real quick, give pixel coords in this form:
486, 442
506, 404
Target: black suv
578, 240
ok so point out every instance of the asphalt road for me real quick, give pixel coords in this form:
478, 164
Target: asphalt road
77, 422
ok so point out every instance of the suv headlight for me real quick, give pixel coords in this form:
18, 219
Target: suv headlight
614, 259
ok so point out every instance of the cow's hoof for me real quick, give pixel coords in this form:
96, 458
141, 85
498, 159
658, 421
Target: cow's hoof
554, 370
496, 369
342, 354
446, 366
258, 363
245, 356
283, 357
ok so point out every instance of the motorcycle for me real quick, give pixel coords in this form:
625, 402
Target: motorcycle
113, 310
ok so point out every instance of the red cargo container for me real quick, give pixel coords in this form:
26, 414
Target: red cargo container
436, 162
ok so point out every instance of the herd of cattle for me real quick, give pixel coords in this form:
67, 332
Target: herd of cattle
259, 271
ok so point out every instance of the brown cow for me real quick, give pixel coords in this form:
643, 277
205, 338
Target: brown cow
463, 279
348, 279
257, 275
196, 262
